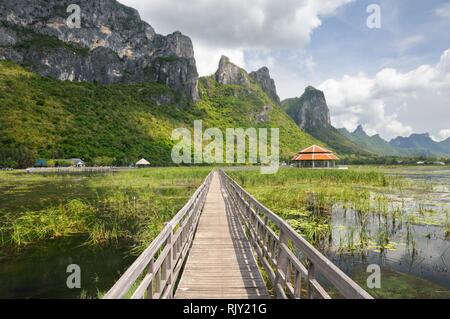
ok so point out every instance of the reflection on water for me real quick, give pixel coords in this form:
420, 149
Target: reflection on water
410, 241
40, 272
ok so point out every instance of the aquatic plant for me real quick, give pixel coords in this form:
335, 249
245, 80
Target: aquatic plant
128, 206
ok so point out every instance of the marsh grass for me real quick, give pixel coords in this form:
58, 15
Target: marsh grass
127, 206
363, 197
305, 198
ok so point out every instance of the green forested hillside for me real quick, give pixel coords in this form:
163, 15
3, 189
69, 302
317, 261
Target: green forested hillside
47, 118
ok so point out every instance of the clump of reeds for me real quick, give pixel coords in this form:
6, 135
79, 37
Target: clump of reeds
132, 206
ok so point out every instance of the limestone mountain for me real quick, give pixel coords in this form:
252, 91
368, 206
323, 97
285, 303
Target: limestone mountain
262, 77
420, 145
374, 144
42, 117
311, 113
111, 90
113, 45
230, 73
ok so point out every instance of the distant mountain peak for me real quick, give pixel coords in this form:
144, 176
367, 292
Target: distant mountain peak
310, 111
420, 144
224, 60
360, 129
262, 77
230, 73
310, 88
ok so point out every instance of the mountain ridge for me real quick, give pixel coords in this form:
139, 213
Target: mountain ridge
374, 144
311, 113
418, 145
46, 118
113, 45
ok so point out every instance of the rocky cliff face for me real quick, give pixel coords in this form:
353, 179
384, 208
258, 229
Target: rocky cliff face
310, 111
229, 73
262, 77
113, 44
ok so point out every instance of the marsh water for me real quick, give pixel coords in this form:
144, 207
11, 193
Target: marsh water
40, 271
410, 241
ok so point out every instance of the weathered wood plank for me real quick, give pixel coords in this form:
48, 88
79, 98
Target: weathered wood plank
220, 263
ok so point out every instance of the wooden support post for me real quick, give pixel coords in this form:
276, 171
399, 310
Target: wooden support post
170, 264
282, 263
311, 276
150, 286
298, 285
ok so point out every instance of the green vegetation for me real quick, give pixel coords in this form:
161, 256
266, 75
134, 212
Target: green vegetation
29, 40
98, 221
129, 206
396, 285
390, 160
35, 41
362, 215
308, 199
49, 119
373, 144
305, 197
323, 132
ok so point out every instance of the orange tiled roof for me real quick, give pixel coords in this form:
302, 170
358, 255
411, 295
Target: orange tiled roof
315, 153
315, 149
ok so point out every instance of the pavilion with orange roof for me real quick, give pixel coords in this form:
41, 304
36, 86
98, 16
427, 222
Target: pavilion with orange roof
315, 157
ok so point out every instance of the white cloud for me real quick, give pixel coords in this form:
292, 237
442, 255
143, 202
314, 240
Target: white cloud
364, 100
254, 29
207, 57
235, 23
442, 135
443, 11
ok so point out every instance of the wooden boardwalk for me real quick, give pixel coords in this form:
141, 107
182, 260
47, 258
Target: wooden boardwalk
203, 253
221, 264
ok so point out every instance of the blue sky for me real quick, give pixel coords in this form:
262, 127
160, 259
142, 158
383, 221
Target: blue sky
394, 80
354, 47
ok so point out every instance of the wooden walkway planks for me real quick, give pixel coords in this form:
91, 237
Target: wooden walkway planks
221, 264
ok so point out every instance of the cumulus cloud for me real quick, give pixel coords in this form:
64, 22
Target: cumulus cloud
374, 101
442, 135
236, 23
242, 30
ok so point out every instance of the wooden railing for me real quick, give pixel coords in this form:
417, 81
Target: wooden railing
288, 259
153, 275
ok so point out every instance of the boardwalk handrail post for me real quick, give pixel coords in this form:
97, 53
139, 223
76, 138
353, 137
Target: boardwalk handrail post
155, 271
282, 265
281, 254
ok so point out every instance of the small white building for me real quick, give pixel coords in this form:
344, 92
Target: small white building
143, 163
76, 162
